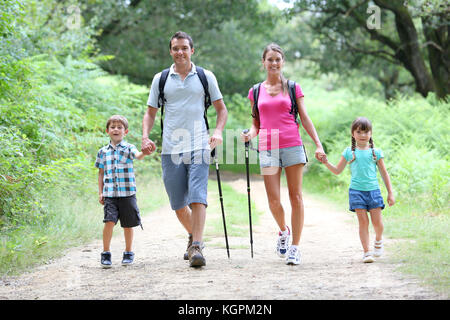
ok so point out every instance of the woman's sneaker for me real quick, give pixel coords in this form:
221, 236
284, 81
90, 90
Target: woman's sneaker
293, 256
105, 260
378, 248
368, 257
128, 258
283, 242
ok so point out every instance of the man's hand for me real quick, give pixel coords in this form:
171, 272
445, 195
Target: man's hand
147, 146
215, 140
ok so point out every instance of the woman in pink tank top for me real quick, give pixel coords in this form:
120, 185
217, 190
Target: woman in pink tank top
280, 147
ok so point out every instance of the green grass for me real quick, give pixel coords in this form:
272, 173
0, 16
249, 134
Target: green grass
236, 212
74, 218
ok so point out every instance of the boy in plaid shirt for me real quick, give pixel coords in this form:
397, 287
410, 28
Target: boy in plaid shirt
117, 188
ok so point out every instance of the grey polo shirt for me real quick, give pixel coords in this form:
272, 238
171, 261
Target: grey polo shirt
184, 125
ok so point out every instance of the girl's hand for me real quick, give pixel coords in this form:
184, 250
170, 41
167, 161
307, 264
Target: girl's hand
101, 199
390, 199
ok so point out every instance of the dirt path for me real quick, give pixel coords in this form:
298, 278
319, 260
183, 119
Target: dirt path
331, 264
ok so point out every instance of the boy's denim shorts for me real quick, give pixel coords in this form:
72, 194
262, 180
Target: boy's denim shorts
185, 177
283, 157
365, 199
124, 209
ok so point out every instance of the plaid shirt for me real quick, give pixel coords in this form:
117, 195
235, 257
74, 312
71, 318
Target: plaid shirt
118, 179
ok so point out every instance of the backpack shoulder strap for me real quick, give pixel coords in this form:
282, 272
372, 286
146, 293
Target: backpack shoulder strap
294, 106
161, 98
204, 81
256, 88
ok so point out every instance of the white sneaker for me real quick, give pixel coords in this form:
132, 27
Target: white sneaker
283, 243
293, 256
368, 257
378, 248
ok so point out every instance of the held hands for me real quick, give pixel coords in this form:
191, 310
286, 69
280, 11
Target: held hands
147, 146
320, 155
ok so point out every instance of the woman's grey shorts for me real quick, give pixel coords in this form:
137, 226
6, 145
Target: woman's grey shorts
124, 209
185, 177
283, 157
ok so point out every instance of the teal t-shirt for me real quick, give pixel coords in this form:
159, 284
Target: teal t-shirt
363, 169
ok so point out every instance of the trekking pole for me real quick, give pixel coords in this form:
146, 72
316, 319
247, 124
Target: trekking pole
248, 191
213, 153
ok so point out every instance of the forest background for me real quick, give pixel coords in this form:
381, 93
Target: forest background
66, 66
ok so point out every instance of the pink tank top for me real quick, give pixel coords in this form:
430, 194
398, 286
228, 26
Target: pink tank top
277, 126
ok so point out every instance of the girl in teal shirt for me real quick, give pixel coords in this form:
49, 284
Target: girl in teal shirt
364, 192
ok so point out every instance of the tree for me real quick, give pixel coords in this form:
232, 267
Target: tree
410, 34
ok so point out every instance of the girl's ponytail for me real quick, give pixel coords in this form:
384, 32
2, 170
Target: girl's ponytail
353, 150
373, 150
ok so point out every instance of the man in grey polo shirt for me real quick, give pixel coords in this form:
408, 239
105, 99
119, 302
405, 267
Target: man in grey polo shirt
186, 144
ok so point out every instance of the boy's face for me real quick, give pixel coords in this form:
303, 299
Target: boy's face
116, 132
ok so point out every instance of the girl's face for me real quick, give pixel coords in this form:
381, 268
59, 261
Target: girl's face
273, 62
362, 137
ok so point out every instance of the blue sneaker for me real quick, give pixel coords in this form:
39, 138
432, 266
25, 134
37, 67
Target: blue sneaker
283, 243
105, 260
128, 258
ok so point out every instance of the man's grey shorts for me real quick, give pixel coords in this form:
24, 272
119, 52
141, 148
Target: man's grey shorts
283, 157
185, 177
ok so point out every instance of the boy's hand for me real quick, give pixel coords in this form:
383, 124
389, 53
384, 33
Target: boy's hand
101, 199
390, 199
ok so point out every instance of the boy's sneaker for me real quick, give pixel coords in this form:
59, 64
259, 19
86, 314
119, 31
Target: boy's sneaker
195, 254
293, 256
128, 258
186, 255
105, 260
368, 257
378, 248
283, 242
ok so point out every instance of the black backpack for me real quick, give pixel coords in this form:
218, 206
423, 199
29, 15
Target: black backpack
291, 90
161, 99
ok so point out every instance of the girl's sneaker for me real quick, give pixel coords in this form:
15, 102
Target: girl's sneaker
368, 258
293, 256
105, 260
378, 248
283, 242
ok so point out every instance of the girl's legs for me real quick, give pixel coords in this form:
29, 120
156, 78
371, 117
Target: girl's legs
107, 234
294, 175
363, 220
272, 184
128, 233
377, 222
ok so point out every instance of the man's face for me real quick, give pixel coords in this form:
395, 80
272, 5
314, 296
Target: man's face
181, 51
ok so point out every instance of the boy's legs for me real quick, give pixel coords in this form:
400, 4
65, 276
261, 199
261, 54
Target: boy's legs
128, 233
107, 235
363, 220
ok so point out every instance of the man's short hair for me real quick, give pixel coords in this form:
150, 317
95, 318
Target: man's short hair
181, 35
117, 118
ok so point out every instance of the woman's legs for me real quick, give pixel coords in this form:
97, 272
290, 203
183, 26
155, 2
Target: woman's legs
294, 177
272, 184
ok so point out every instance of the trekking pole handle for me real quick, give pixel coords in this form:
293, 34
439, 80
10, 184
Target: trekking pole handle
244, 132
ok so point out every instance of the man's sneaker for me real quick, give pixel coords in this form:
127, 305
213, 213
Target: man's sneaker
378, 248
105, 259
195, 254
368, 257
186, 255
128, 258
293, 256
283, 243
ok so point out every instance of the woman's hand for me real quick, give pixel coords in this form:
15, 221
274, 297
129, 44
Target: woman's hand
320, 155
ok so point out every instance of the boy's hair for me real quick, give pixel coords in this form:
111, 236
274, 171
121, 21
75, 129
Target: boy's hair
117, 118
365, 125
181, 35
